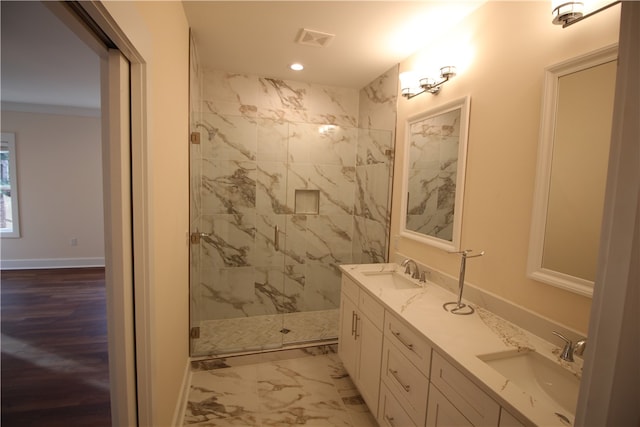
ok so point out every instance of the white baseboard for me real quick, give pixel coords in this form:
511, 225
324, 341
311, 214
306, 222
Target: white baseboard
33, 264
183, 398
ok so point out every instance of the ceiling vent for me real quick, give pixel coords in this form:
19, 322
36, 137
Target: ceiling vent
314, 38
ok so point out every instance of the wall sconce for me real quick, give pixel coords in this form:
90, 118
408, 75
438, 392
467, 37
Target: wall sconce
412, 86
566, 13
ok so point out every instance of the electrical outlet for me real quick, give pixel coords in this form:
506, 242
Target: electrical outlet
74, 241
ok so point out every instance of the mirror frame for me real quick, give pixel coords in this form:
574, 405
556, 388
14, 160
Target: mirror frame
464, 104
543, 170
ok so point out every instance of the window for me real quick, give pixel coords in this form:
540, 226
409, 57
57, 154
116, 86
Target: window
9, 219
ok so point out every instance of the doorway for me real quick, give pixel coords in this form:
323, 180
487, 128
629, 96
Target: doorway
113, 83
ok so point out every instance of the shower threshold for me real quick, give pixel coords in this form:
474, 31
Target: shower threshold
255, 334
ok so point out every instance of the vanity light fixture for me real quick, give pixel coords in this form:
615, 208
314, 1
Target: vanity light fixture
566, 13
410, 86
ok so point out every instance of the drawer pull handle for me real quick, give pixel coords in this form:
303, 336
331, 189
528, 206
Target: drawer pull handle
394, 373
389, 420
353, 323
397, 335
357, 320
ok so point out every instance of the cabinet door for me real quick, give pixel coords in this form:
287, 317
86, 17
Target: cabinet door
508, 420
441, 413
476, 405
370, 357
347, 345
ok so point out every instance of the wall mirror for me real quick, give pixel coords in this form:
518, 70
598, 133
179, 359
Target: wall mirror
433, 182
573, 156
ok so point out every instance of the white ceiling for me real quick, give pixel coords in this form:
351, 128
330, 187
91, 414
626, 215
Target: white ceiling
259, 37
45, 63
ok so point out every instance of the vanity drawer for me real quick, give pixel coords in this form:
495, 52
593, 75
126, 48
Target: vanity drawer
508, 420
372, 309
470, 400
392, 414
408, 384
413, 345
442, 413
350, 288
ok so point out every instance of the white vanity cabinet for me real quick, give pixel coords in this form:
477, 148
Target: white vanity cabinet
405, 378
454, 401
442, 413
391, 412
464, 404
360, 340
508, 420
405, 373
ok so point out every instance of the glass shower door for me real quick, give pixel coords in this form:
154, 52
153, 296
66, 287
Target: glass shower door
319, 227
280, 206
338, 193
237, 181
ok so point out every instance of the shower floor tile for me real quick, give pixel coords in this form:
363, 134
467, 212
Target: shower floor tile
256, 333
312, 389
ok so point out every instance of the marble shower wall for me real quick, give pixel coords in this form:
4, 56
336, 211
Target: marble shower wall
374, 168
261, 140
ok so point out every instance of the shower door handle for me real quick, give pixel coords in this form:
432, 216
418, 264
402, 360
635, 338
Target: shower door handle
276, 238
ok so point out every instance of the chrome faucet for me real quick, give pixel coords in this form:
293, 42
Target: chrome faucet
569, 349
407, 268
579, 347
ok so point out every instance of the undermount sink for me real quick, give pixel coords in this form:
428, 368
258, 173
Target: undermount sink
543, 379
390, 279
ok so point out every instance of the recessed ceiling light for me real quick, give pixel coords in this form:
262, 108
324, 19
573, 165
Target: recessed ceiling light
296, 66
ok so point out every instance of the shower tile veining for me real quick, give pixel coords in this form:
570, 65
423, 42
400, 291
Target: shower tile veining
295, 387
289, 181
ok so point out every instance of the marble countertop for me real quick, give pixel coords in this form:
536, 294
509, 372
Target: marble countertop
460, 339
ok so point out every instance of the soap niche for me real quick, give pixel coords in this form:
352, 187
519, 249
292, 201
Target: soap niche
307, 202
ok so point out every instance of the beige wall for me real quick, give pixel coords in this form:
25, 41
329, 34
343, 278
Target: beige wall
509, 44
160, 32
59, 166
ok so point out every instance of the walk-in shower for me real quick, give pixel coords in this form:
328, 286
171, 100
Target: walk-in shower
286, 185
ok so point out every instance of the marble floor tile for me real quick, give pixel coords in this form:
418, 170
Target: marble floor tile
309, 388
224, 397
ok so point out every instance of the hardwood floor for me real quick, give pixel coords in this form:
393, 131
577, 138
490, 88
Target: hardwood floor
54, 348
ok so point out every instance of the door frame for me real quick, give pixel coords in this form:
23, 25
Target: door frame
141, 367
129, 313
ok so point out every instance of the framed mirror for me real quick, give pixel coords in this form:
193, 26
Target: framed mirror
573, 155
433, 182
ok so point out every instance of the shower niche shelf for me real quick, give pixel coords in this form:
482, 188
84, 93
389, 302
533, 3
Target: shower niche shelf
307, 202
